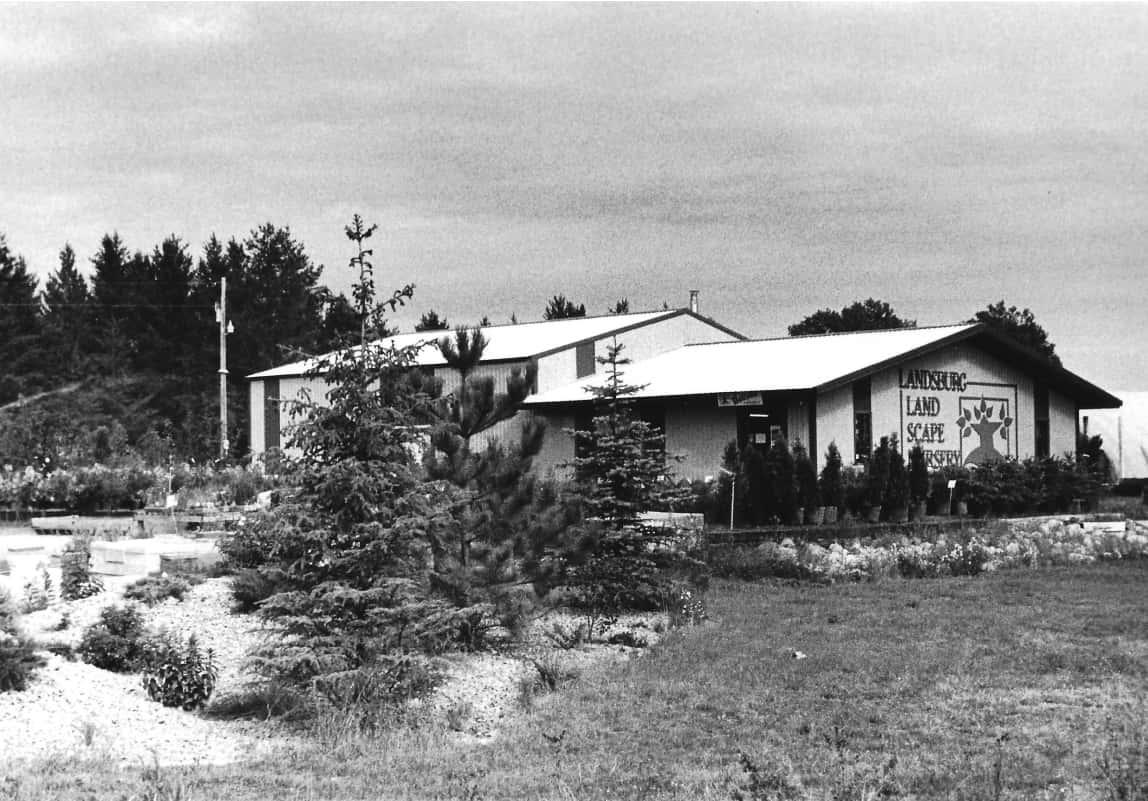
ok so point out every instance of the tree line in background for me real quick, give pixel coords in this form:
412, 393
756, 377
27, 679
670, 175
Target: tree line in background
128, 359
133, 352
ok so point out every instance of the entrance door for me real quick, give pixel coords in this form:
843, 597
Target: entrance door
761, 426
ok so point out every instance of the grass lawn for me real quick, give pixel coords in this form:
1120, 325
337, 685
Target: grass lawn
1003, 686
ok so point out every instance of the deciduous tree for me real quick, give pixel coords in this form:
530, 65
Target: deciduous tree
1019, 325
864, 315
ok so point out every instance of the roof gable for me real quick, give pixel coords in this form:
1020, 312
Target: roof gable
516, 341
818, 362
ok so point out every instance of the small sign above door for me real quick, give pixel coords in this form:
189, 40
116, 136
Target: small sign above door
739, 399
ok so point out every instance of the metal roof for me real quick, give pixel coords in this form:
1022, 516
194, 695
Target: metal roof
801, 363
515, 341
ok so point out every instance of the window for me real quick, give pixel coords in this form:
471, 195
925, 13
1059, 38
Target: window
862, 420
271, 423
1040, 407
584, 364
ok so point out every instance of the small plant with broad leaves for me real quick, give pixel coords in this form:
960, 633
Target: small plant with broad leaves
37, 593
686, 607
179, 673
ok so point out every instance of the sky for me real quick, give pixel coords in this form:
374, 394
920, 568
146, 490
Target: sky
780, 158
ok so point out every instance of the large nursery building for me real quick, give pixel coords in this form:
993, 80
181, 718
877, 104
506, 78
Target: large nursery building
965, 393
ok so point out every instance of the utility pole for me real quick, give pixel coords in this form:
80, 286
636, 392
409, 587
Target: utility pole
225, 328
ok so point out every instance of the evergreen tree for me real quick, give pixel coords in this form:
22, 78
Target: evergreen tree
112, 298
559, 308
67, 317
351, 545
430, 321
617, 561
483, 556
19, 326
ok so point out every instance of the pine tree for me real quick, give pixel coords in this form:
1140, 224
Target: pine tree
484, 557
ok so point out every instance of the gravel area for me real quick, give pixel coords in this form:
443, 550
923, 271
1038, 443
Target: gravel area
72, 709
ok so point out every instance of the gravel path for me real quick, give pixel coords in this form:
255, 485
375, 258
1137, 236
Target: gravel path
72, 709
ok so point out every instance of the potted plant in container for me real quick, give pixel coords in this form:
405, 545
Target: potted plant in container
877, 480
806, 476
897, 490
782, 483
918, 482
831, 484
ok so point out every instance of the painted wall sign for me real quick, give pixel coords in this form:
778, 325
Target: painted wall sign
739, 399
957, 421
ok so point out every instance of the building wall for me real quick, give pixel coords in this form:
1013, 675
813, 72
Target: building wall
255, 427
697, 430
557, 445
936, 415
1062, 420
834, 424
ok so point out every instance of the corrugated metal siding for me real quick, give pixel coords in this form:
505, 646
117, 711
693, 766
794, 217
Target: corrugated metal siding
499, 372
255, 427
557, 445
1062, 417
986, 378
697, 430
835, 424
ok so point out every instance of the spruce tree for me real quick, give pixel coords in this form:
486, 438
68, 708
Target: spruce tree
67, 316
352, 545
617, 561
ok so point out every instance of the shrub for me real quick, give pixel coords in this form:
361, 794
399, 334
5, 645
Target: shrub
968, 559
251, 543
76, 579
251, 586
151, 590
18, 661
918, 474
897, 488
179, 674
116, 642
8, 612
877, 473
830, 482
806, 476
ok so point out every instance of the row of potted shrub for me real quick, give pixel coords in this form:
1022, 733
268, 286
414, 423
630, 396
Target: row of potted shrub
780, 485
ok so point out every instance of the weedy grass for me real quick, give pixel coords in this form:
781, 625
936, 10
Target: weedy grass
1005, 686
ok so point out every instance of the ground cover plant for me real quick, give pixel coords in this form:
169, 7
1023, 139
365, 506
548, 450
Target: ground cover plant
985, 548
1019, 685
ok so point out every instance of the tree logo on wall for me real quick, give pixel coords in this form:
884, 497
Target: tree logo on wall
985, 417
